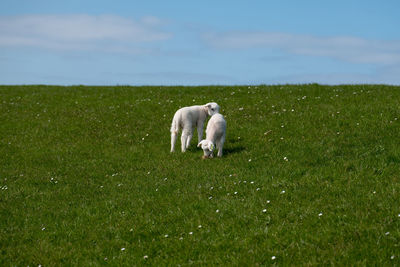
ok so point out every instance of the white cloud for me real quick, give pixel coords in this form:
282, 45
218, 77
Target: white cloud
79, 32
348, 49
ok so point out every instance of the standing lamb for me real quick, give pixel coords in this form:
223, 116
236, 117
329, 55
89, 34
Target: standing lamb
187, 118
215, 135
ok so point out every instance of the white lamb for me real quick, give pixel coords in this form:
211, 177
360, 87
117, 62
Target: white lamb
187, 118
215, 135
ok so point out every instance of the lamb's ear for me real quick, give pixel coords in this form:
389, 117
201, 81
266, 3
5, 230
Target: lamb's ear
211, 146
201, 142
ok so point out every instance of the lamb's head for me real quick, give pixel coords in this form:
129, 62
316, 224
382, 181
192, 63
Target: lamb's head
208, 148
212, 108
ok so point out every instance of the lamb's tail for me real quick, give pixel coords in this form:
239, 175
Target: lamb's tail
174, 131
175, 124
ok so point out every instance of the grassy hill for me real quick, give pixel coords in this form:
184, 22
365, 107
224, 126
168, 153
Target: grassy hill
310, 176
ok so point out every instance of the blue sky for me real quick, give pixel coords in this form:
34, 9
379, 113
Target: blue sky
199, 42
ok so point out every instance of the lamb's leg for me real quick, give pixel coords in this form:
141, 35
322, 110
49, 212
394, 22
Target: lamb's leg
200, 125
186, 137
220, 145
189, 138
174, 136
183, 141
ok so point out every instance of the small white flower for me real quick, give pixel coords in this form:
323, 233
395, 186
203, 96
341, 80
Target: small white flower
398, 215
258, 189
235, 193
264, 210
249, 160
217, 211
252, 182
210, 197
273, 258
44, 228
181, 238
122, 249
283, 192
145, 257
212, 187
285, 159
268, 201
199, 226
241, 108
190, 233
165, 179
392, 257
320, 214
165, 236
387, 233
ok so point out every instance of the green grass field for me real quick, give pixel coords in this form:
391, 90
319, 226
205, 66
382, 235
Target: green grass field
310, 176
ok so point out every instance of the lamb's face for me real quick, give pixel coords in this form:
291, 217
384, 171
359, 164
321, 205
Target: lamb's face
212, 108
208, 148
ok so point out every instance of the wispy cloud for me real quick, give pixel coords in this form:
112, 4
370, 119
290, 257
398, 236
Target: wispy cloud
348, 49
80, 32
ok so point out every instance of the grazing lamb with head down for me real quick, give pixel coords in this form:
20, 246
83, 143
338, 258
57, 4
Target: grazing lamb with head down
187, 118
215, 136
